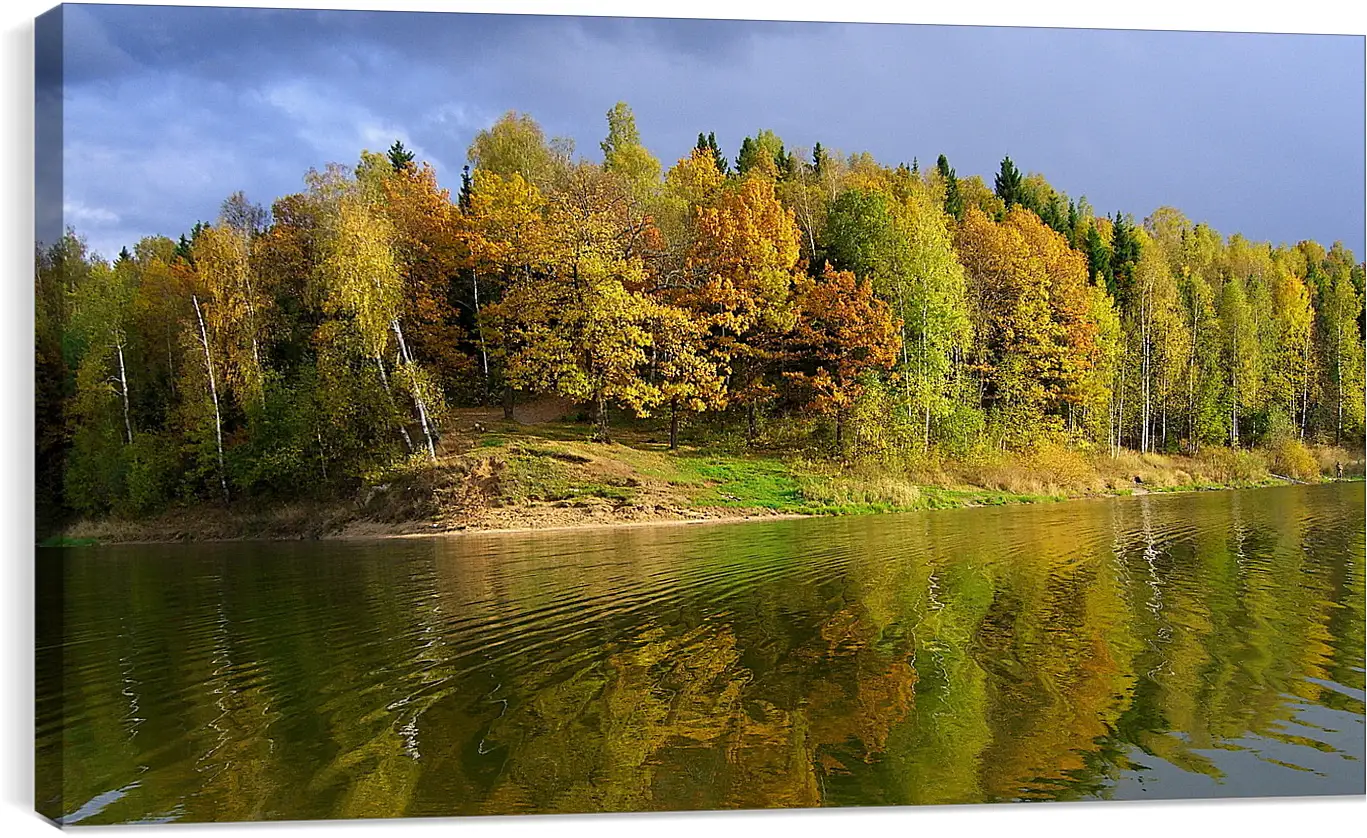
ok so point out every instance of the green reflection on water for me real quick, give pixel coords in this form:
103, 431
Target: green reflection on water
1171, 646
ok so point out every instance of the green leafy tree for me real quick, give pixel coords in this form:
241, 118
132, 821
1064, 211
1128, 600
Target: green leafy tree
515, 144
624, 155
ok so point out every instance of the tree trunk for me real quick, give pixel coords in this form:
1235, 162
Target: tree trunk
751, 424
123, 391
600, 416
251, 307
170, 366
508, 402
213, 394
1164, 415
906, 353
925, 384
1145, 385
1191, 379
674, 424
1338, 375
1234, 394
1234, 417
479, 330
1305, 385
1120, 415
384, 380
418, 400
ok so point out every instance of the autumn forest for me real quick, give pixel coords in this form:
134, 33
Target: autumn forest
898, 312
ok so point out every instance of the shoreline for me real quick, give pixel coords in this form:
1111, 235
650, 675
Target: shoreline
360, 529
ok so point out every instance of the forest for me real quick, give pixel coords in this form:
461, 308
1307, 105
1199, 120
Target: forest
868, 312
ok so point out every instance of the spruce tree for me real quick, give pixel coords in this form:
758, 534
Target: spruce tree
723, 165
708, 143
1124, 257
399, 157
466, 187
1008, 184
783, 162
1098, 260
745, 158
954, 202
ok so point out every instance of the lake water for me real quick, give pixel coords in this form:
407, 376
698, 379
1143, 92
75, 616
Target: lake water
1193, 645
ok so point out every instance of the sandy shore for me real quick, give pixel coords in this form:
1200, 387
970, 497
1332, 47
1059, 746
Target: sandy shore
587, 525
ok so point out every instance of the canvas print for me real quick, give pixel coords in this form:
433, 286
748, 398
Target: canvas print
447, 414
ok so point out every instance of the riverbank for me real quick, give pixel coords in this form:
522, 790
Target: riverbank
508, 477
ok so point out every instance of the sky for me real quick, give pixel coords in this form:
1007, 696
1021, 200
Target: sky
168, 110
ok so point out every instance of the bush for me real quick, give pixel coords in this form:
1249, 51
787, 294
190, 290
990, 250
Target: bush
153, 469
960, 431
1290, 458
1228, 465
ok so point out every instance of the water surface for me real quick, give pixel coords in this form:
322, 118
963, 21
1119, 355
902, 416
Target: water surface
1162, 646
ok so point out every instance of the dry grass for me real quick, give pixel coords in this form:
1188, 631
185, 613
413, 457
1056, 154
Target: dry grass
1329, 458
1060, 471
212, 523
860, 490
1045, 470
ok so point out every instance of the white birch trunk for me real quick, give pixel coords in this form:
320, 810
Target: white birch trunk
123, 386
384, 380
479, 327
417, 395
925, 385
213, 393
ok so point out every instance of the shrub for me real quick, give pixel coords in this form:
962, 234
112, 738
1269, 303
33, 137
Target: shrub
1290, 458
153, 468
1228, 465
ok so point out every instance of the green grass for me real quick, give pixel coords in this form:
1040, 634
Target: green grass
64, 541
740, 482
561, 463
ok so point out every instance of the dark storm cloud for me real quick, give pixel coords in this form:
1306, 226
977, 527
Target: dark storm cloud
169, 109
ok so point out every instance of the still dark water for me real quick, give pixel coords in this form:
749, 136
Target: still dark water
1163, 646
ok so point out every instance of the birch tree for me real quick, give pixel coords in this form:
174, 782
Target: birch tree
361, 280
